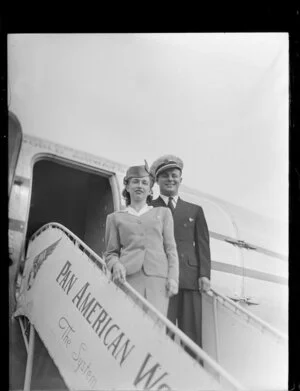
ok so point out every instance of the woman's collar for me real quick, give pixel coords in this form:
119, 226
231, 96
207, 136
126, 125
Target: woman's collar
132, 211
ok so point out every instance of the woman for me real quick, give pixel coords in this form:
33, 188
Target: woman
140, 244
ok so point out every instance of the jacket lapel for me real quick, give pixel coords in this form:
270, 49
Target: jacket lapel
158, 202
181, 209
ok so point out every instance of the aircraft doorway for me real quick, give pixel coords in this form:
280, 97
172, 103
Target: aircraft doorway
79, 200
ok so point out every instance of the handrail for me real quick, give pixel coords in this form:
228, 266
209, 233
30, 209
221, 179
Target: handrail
215, 318
221, 298
183, 337
74, 239
23, 334
250, 316
148, 308
30, 356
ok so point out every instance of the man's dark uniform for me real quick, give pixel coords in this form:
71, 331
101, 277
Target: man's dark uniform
192, 239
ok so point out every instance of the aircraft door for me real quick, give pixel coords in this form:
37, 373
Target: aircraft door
76, 198
14, 146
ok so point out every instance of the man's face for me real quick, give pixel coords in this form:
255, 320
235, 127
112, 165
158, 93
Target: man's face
169, 182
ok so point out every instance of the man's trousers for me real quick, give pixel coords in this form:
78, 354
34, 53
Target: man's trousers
185, 310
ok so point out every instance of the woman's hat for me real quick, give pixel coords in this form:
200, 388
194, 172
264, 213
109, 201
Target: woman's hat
164, 163
137, 172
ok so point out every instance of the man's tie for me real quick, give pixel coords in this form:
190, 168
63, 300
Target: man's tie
170, 204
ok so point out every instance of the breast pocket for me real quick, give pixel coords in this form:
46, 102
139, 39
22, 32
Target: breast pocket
185, 230
192, 261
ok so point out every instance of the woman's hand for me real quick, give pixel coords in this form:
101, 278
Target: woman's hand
172, 287
118, 272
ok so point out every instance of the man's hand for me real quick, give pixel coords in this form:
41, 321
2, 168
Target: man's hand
204, 284
172, 287
119, 272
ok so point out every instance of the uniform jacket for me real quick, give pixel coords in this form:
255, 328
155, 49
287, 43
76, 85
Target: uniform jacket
145, 241
192, 239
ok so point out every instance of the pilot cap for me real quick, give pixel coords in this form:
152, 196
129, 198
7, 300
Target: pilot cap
164, 163
137, 172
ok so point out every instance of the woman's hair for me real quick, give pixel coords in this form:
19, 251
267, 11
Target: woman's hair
126, 194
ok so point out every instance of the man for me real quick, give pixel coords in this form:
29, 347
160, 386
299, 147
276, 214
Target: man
192, 239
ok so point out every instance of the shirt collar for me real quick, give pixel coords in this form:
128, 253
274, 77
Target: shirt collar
166, 199
132, 211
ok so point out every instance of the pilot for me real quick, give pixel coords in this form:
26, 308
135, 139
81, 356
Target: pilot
192, 239
140, 244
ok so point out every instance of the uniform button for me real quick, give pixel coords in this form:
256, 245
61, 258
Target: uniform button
184, 224
139, 222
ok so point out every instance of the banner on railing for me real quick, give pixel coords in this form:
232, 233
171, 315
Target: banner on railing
98, 338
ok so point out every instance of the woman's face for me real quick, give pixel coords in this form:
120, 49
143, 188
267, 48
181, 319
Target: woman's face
139, 188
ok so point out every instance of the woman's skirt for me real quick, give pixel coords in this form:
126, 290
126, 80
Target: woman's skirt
151, 288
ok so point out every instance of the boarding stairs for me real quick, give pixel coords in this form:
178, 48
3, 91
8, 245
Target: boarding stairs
105, 336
